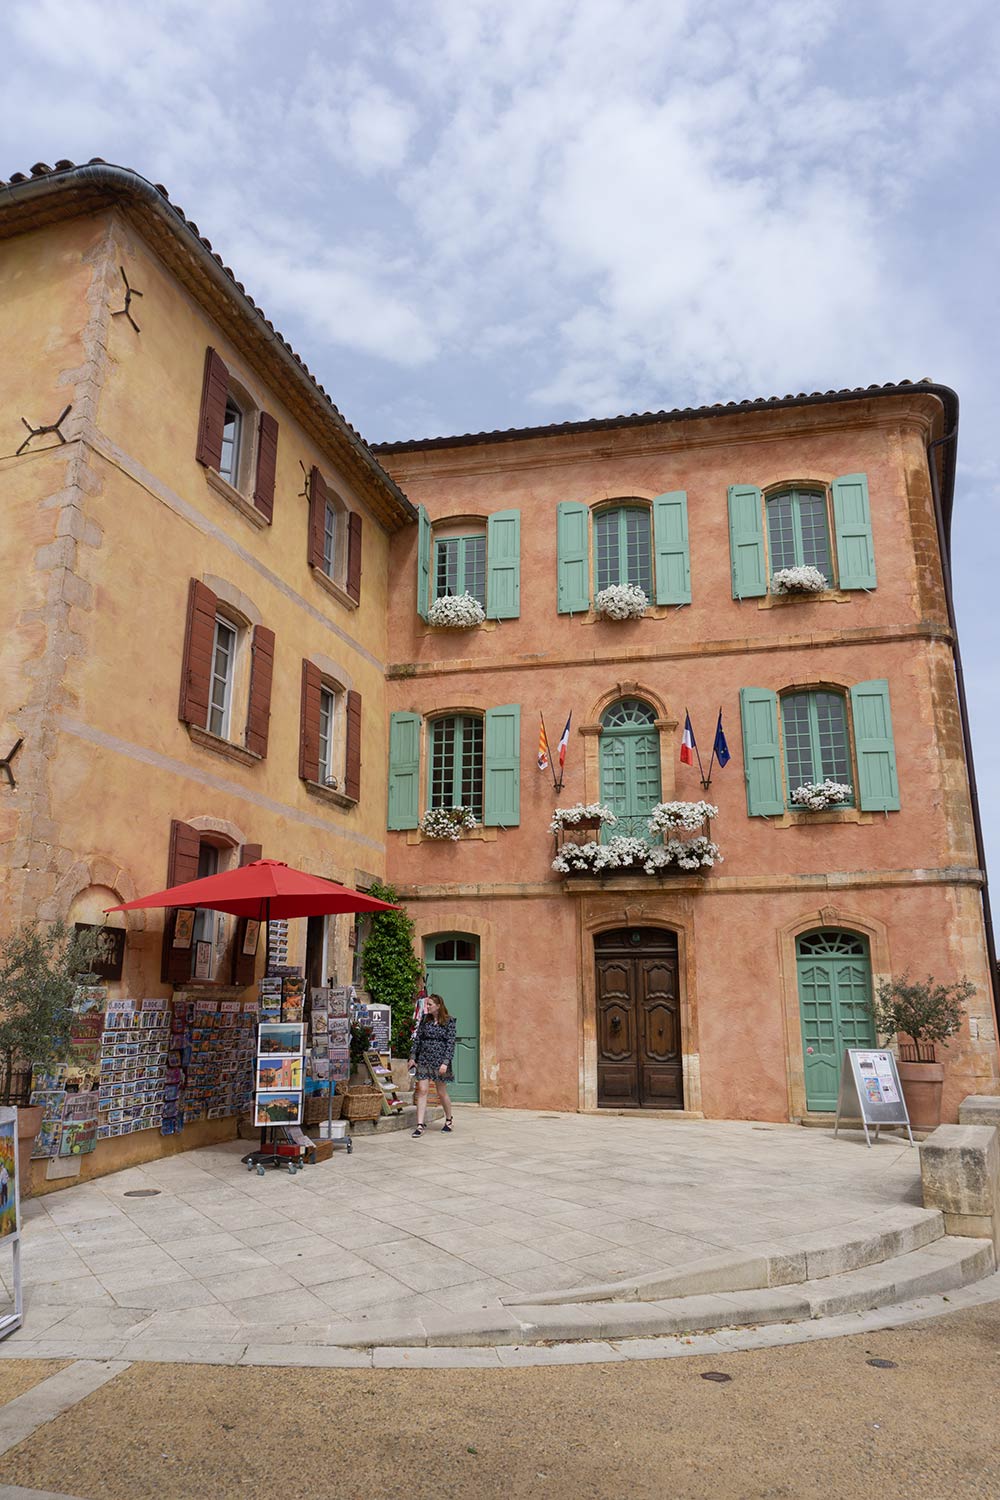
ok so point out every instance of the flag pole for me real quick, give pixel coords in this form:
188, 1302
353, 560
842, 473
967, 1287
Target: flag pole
557, 785
707, 783
701, 768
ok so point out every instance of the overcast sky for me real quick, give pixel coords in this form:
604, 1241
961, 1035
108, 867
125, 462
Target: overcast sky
469, 214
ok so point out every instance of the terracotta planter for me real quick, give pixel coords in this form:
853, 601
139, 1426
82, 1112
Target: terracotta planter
29, 1123
922, 1083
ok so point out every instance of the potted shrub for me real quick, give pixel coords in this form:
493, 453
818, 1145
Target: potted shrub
927, 1013
40, 971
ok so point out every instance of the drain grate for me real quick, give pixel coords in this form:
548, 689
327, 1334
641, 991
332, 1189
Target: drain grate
143, 1193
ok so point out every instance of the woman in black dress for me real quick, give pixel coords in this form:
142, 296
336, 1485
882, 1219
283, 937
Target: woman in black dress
431, 1057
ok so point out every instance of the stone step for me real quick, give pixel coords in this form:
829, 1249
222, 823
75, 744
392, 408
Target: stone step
799, 1259
404, 1119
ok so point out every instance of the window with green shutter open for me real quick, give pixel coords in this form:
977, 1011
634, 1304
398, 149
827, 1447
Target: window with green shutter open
456, 765
460, 567
798, 531
817, 747
623, 548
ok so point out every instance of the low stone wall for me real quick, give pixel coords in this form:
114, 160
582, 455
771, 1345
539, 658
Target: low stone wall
960, 1173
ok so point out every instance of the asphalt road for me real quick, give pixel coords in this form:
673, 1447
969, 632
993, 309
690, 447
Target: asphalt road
809, 1422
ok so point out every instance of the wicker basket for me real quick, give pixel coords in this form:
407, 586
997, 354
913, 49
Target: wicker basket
316, 1108
363, 1101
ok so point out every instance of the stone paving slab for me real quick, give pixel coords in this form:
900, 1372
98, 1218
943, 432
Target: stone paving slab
514, 1202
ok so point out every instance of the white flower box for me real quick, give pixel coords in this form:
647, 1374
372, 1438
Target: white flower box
689, 816
817, 795
622, 601
581, 812
456, 612
627, 853
447, 822
798, 581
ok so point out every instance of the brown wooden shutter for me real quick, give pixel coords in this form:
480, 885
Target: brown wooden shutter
212, 420
352, 769
267, 463
312, 683
182, 864
245, 964
354, 557
196, 666
318, 495
261, 674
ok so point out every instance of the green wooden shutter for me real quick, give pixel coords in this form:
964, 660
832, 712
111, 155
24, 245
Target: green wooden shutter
423, 563
746, 541
853, 524
878, 784
574, 574
761, 752
670, 543
502, 799
404, 770
503, 565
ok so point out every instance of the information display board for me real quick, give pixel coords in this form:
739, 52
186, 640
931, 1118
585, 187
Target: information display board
10, 1213
870, 1091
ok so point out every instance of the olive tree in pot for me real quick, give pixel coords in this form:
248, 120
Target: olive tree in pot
40, 969
927, 1013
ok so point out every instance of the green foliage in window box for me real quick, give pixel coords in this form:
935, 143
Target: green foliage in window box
40, 970
390, 968
920, 1009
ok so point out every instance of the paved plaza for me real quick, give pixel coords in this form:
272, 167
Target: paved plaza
512, 1205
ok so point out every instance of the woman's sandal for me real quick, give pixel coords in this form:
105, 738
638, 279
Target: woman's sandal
447, 1124
419, 1132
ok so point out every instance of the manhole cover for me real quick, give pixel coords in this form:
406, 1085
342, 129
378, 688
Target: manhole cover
715, 1375
143, 1193
881, 1364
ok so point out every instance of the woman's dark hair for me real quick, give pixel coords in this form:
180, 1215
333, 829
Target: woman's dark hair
442, 1018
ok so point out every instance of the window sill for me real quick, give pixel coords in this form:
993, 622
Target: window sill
430, 629
239, 502
332, 587
469, 836
828, 596
653, 612
209, 741
328, 794
827, 815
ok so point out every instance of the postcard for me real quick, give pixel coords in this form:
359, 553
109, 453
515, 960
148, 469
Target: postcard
282, 1107
279, 1037
279, 1073
340, 1032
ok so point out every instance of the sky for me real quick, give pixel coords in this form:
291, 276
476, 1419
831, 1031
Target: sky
470, 214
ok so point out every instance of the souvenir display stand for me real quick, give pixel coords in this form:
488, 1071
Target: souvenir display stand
10, 1213
330, 1048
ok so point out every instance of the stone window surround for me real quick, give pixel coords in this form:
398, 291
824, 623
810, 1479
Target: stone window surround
593, 729
792, 817
242, 613
340, 683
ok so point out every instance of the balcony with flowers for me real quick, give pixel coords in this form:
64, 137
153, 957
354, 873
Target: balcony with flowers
672, 839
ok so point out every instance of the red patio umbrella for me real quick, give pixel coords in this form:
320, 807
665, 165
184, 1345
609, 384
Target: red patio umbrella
267, 890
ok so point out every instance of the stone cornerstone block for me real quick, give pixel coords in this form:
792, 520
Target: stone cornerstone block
960, 1172
980, 1109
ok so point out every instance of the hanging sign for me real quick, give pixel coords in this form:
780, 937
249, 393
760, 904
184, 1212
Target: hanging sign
870, 1091
10, 1213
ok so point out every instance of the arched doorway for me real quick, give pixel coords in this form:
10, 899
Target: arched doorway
451, 961
630, 765
639, 1062
835, 986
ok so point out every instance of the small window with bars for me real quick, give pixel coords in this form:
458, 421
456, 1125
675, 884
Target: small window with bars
623, 548
460, 567
817, 745
798, 531
456, 770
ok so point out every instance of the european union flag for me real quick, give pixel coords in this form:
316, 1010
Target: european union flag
720, 748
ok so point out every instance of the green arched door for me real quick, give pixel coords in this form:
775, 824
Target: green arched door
451, 960
835, 985
630, 765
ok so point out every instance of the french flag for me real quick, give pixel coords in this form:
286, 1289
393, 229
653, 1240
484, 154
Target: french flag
564, 741
688, 745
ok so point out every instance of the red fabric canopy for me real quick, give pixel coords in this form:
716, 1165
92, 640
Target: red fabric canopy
267, 890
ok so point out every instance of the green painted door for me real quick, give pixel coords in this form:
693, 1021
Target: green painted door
630, 766
452, 964
835, 984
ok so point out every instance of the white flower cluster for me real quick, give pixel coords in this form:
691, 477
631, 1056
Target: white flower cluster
446, 822
626, 853
798, 581
580, 812
622, 601
458, 611
819, 794
686, 815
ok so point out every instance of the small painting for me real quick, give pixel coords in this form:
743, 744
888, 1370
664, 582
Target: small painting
279, 1073
183, 927
279, 1037
8, 1177
251, 936
109, 955
202, 960
281, 1107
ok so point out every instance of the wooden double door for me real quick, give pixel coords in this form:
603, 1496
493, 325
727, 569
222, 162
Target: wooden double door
638, 1020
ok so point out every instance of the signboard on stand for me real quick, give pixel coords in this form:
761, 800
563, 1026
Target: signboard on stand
10, 1213
870, 1091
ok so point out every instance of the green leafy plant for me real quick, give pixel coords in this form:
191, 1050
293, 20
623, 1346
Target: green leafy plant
40, 969
390, 968
920, 1009
361, 1041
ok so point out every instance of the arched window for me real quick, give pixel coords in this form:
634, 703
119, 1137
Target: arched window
456, 763
817, 746
630, 765
798, 531
460, 562
623, 548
